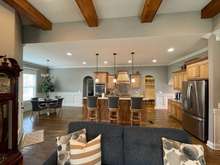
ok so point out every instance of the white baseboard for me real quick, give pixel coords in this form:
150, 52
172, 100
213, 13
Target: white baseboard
213, 146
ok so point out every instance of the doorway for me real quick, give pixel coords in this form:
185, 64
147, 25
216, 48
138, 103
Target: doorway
88, 86
149, 91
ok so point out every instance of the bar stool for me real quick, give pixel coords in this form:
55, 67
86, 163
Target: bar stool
113, 106
92, 106
136, 108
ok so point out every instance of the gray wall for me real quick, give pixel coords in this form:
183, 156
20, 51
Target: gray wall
71, 79
11, 45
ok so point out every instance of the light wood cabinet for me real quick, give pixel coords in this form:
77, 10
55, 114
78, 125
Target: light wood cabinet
204, 71
102, 77
137, 83
178, 78
198, 70
175, 109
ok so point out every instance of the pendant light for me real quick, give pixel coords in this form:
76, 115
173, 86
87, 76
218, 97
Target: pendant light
97, 66
132, 68
114, 80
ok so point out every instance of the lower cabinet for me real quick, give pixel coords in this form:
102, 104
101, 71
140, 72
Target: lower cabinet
175, 109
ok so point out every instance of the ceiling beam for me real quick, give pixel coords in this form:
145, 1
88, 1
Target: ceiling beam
211, 9
150, 10
87, 9
26, 9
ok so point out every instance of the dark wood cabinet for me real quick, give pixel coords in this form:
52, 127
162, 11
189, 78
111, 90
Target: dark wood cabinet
9, 73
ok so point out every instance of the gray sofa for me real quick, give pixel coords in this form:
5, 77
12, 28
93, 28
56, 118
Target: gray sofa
125, 145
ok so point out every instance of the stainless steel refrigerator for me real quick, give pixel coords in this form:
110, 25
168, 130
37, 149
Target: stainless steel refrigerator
195, 108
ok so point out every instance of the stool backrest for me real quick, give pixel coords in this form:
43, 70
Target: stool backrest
113, 102
92, 101
136, 102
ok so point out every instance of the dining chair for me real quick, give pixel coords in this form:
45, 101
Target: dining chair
37, 107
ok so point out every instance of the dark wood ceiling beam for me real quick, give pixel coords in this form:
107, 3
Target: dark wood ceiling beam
150, 10
211, 9
88, 11
26, 9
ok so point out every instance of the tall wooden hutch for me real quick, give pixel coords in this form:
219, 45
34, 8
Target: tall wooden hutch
9, 73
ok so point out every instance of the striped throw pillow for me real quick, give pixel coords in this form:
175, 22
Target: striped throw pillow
63, 145
85, 153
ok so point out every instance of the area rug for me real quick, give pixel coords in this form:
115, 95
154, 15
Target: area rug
33, 138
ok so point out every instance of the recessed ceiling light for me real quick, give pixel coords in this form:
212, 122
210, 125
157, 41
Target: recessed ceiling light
84, 63
129, 61
105, 62
154, 61
69, 54
170, 49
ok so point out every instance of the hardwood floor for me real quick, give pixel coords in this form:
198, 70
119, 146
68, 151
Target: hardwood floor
56, 125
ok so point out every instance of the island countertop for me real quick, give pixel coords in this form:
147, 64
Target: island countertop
120, 98
124, 109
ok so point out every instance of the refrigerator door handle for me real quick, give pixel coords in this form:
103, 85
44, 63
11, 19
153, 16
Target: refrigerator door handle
189, 89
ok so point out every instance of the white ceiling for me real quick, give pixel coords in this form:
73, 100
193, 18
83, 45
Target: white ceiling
67, 11
146, 49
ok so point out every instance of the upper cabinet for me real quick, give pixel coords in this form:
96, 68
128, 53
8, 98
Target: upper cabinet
198, 70
102, 77
137, 82
178, 78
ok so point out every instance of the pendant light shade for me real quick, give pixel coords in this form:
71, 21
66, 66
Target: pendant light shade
132, 68
114, 80
97, 67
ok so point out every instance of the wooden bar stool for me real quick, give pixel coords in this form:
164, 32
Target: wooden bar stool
136, 108
92, 106
113, 106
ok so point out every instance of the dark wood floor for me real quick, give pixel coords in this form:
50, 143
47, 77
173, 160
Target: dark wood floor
56, 125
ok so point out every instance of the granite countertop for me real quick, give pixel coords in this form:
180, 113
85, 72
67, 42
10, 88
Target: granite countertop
121, 98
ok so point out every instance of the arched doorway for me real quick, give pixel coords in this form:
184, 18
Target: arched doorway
149, 91
88, 86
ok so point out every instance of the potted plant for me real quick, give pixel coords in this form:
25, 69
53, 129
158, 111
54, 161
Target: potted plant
47, 85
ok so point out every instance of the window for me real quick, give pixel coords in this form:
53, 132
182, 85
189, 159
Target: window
29, 86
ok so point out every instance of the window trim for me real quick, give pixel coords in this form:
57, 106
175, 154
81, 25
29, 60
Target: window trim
32, 72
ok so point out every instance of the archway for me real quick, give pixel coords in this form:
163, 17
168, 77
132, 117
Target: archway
149, 91
88, 86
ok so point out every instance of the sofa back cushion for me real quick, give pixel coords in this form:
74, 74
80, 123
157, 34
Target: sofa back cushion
143, 146
111, 141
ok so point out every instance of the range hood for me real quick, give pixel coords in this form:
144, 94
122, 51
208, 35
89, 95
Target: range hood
123, 77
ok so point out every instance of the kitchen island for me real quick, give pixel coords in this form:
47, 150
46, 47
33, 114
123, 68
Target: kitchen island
124, 109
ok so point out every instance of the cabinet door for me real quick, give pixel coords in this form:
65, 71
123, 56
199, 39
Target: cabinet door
176, 81
204, 71
193, 71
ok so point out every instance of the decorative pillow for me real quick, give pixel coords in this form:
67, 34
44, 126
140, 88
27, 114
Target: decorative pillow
63, 145
175, 153
85, 153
